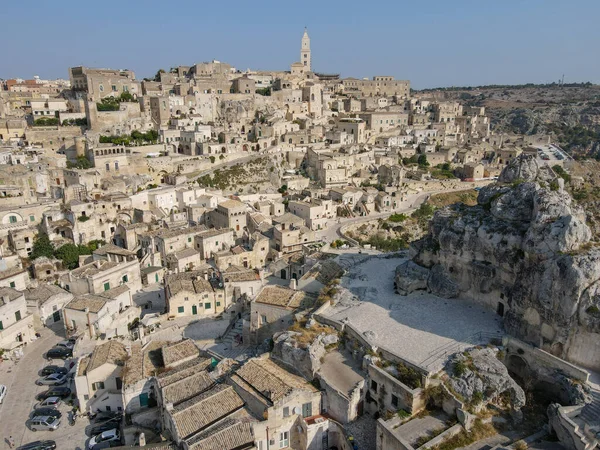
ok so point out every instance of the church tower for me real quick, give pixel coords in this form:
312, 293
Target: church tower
305, 51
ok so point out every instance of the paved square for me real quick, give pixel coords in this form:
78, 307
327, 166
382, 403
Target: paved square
420, 328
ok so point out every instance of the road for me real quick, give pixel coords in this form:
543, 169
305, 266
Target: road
413, 201
20, 380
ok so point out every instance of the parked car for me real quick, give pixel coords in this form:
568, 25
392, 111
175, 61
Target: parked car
38, 445
58, 391
106, 436
3, 390
105, 426
50, 402
66, 344
46, 411
59, 353
101, 416
55, 379
49, 370
44, 423
106, 444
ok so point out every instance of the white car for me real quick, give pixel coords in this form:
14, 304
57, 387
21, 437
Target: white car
3, 390
55, 379
107, 436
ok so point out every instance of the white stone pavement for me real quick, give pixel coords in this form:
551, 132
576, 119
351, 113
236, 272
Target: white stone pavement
414, 327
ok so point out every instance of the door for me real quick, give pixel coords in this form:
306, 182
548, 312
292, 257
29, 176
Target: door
143, 400
194, 309
283, 274
56, 316
500, 309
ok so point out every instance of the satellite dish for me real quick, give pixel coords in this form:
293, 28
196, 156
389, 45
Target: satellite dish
297, 410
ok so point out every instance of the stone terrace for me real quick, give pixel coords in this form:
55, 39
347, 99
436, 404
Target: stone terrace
420, 328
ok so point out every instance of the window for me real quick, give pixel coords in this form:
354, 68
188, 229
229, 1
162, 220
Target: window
12, 284
125, 279
106, 286
189, 239
186, 298
207, 305
374, 385
67, 287
263, 319
114, 88
32, 218
394, 401
286, 412
307, 409
180, 309
101, 88
98, 385
284, 439
1, 326
12, 219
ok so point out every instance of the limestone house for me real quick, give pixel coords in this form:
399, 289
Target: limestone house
101, 276
240, 281
98, 379
249, 256
46, 302
315, 213
273, 310
282, 399
229, 214
15, 277
139, 392
194, 293
16, 323
165, 241
209, 242
184, 260
290, 233
107, 313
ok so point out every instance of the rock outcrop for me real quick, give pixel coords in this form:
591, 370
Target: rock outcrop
478, 377
306, 361
523, 250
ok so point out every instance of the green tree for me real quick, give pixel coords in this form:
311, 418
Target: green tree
42, 247
69, 254
126, 97
157, 76
422, 161
80, 163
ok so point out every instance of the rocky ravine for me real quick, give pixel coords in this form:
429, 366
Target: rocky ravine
524, 250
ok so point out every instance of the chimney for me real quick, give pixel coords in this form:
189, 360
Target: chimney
169, 407
142, 439
294, 284
5, 299
206, 276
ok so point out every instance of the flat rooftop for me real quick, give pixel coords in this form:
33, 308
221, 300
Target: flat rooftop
420, 328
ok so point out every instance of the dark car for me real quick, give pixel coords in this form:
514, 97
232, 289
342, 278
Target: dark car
46, 411
105, 426
101, 416
58, 391
107, 444
59, 353
38, 445
49, 370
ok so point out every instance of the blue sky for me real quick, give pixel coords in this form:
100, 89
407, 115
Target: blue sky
432, 43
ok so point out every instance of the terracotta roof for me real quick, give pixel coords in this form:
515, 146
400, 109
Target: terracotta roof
231, 204
11, 293
177, 351
236, 273
183, 370
43, 293
204, 409
181, 254
186, 388
270, 380
227, 435
187, 281
143, 362
113, 352
112, 248
93, 268
281, 296
92, 302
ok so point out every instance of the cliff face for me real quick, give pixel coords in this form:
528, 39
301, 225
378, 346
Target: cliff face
525, 251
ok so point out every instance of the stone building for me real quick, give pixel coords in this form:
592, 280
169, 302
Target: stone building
195, 293
16, 323
98, 379
46, 302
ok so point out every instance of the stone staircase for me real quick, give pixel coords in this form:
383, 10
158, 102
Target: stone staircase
591, 412
229, 347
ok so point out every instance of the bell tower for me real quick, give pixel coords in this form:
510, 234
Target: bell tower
305, 52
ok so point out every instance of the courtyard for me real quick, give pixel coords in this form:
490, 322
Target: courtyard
420, 328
